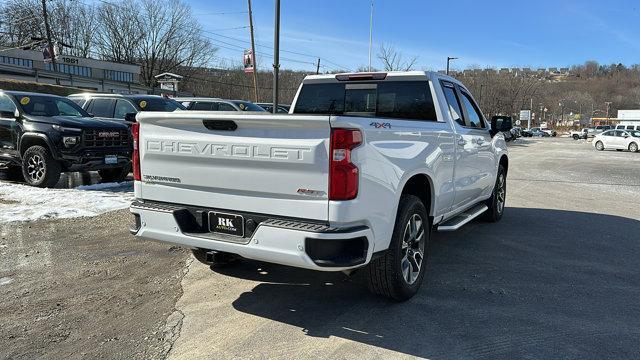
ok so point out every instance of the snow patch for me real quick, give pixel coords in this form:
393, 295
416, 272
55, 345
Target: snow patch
27, 203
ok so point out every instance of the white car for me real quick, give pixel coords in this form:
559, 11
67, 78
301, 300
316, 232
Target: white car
618, 139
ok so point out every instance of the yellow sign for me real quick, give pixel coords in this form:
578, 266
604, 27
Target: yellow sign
143, 104
25, 100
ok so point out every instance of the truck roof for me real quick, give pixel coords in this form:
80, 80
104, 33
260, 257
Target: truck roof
387, 75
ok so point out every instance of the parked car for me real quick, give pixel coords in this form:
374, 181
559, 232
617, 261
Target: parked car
526, 133
627, 127
579, 134
45, 135
595, 130
539, 132
312, 189
551, 132
499, 119
517, 131
215, 104
116, 106
618, 139
282, 108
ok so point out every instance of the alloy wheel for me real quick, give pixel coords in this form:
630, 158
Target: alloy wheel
501, 193
633, 147
413, 245
36, 167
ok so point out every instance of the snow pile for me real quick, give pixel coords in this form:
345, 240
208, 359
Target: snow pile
25, 203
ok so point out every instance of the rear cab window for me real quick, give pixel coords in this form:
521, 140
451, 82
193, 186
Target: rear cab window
409, 100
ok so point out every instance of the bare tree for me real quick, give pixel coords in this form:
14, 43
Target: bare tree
164, 38
392, 59
72, 23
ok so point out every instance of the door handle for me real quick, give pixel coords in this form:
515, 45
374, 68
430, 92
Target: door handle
480, 141
462, 142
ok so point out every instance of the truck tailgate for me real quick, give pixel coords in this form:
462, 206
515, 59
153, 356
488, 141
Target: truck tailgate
268, 164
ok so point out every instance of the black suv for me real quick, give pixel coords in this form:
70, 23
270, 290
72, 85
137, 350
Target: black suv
116, 106
45, 135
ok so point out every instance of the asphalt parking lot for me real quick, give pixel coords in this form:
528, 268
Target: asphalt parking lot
556, 278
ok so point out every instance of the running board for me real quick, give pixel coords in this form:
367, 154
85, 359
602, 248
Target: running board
458, 221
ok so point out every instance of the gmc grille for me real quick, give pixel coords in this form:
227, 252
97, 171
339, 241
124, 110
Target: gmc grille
105, 138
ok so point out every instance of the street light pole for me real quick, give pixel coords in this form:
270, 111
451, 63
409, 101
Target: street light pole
449, 60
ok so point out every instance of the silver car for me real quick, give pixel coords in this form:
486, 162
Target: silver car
618, 139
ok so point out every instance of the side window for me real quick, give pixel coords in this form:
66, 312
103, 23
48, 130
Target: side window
629, 127
225, 107
6, 104
475, 118
123, 108
608, 133
201, 106
102, 107
454, 105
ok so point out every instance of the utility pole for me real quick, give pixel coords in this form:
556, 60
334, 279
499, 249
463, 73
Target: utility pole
608, 104
370, 34
45, 16
531, 114
253, 55
449, 60
276, 56
318, 67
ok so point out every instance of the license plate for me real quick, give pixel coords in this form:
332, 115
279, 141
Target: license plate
110, 159
226, 223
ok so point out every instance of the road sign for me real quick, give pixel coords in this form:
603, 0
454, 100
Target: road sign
518, 122
525, 115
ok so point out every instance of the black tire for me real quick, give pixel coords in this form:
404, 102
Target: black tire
633, 147
214, 258
385, 275
39, 168
599, 146
576, 137
114, 175
498, 198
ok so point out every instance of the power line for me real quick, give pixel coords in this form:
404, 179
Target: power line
223, 13
270, 47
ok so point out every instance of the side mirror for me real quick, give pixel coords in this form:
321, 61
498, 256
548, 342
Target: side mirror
9, 114
130, 117
626, 135
501, 123
91, 115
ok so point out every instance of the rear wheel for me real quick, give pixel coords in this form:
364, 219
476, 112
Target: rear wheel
633, 147
39, 168
398, 273
497, 200
576, 137
599, 146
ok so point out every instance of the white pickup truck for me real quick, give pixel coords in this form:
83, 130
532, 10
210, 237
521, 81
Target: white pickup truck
355, 176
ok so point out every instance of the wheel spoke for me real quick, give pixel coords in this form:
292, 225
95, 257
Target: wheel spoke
405, 266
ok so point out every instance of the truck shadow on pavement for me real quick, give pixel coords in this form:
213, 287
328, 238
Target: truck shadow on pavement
541, 283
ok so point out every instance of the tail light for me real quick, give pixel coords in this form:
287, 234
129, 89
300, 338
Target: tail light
343, 174
135, 133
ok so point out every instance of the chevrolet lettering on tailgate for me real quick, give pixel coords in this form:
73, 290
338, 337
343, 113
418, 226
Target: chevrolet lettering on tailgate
230, 150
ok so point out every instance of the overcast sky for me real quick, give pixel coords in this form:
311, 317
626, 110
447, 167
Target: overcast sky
498, 33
